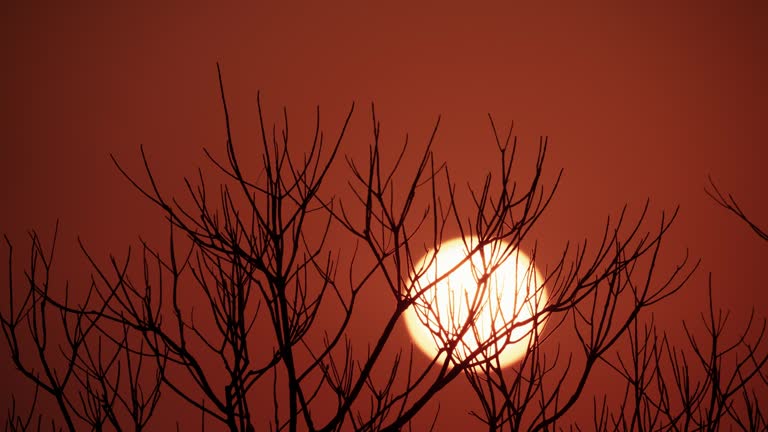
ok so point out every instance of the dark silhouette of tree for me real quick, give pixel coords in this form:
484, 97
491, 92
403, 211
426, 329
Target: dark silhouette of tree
602, 301
71, 354
715, 379
250, 297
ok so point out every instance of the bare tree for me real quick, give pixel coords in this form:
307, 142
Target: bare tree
713, 380
58, 347
251, 296
601, 298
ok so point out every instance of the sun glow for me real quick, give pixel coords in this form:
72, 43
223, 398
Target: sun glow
489, 302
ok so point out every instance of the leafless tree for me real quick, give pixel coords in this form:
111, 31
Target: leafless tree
715, 379
58, 347
250, 296
600, 299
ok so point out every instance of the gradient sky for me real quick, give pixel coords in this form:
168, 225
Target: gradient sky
638, 101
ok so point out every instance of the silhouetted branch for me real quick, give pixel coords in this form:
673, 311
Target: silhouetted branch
728, 202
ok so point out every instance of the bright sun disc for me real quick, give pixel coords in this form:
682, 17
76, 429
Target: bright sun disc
498, 286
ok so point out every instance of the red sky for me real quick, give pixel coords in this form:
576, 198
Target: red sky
638, 101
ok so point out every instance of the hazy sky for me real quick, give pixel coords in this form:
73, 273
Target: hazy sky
638, 101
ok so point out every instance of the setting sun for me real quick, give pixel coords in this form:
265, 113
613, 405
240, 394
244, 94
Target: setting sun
487, 301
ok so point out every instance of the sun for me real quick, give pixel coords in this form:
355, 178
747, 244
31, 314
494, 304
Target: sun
487, 300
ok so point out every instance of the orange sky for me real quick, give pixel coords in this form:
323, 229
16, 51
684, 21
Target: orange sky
638, 101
